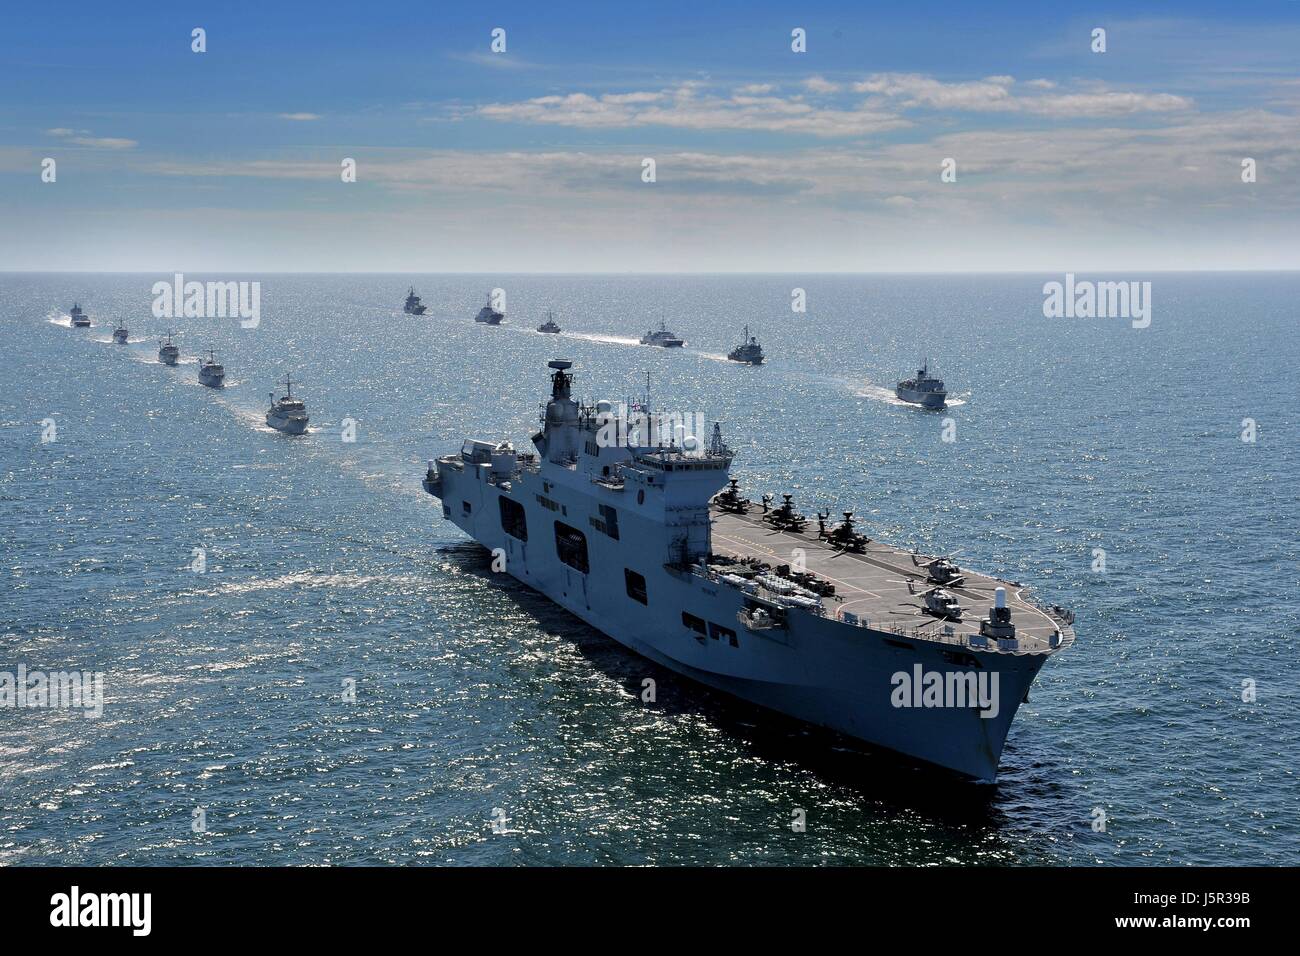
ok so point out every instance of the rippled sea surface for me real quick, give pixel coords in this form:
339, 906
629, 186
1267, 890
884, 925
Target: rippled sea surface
478, 700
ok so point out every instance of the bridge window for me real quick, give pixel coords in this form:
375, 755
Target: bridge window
513, 520
635, 586
571, 547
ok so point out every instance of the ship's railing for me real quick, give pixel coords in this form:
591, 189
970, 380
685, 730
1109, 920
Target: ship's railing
974, 642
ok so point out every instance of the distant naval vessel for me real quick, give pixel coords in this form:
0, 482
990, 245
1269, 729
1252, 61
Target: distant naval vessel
489, 315
748, 351
288, 414
168, 353
79, 319
924, 389
653, 544
211, 373
413, 305
550, 326
120, 334
662, 337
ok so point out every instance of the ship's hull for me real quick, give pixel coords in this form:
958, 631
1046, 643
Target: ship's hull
119, 336
754, 360
212, 381
815, 669
81, 323
290, 426
417, 310
167, 358
924, 399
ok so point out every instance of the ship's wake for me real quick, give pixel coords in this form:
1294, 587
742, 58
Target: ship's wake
880, 393
606, 339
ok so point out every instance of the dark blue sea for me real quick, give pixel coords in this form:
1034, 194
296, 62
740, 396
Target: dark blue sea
477, 701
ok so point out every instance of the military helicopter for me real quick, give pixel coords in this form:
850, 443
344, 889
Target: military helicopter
941, 570
937, 602
842, 537
785, 518
729, 500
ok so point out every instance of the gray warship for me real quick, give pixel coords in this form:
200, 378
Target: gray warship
748, 351
121, 333
924, 389
550, 326
79, 319
653, 544
287, 414
168, 353
212, 373
489, 315
662, 337
413, 305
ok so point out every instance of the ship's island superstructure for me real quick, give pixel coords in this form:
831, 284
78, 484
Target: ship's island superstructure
632, 535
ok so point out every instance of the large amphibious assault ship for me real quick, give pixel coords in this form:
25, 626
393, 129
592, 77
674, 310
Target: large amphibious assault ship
653, 544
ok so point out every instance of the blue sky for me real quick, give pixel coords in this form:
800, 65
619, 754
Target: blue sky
766, 160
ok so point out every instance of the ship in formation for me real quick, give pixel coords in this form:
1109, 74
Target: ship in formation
413, 305
550, 326
748, 351
211, 372
168, 353
653, 543
79, 319
121, 333
663, 338
287, 413
923, 389
489, 314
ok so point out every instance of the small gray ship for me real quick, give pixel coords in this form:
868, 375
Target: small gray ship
663, 338
120, 334
549, 326
489, 315
652, 543
211, 373
168, 353
413, 304
79, 319
924, 390
287, 414
748, 351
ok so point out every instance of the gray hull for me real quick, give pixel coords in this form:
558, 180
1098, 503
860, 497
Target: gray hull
925, 399
816, 669
289, 426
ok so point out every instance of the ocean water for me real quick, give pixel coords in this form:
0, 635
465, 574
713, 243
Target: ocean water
479, 701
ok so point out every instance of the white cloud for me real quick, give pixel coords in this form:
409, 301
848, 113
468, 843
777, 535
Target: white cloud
685, 107
300, 117
81, 137
996, 94
817, 84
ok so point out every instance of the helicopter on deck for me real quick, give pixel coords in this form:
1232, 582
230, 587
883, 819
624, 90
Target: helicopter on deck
937, 602
785, 518
842, 537
941, 570
729, 500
